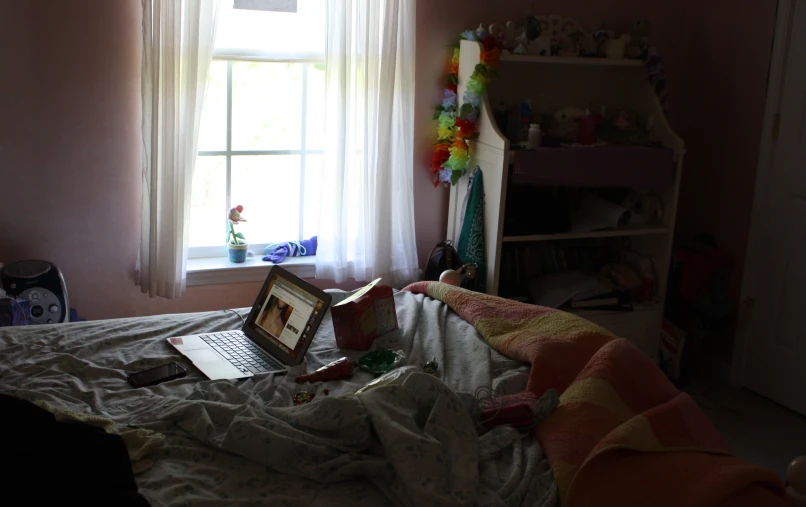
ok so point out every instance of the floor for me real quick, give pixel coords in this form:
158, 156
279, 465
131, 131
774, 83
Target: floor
758, 430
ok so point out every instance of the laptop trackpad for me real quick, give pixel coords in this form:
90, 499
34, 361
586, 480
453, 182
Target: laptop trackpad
185, 343
213, 365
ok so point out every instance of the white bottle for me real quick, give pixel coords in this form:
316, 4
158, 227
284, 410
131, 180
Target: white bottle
534, 136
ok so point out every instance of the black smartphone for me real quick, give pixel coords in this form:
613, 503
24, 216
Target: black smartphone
154, 376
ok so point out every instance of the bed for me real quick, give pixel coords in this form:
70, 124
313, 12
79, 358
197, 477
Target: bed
618, 435
82, 367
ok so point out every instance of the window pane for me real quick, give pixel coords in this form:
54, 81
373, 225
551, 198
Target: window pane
266, 106
274, 35
313, 195
315, 124
213, 129
268, 188
208, 202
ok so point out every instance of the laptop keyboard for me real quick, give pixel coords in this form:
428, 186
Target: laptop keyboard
241, 352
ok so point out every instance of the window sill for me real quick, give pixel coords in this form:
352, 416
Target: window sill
218, 270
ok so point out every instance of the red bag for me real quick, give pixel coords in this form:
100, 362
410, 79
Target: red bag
358, 322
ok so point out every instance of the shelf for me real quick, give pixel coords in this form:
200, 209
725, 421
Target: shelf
603, 166
634, 230
582, 312
572, 60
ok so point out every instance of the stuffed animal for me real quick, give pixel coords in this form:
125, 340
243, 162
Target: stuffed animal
637, 46
616, 48
503, 35
584, 44
531, 32
564, 124
601, 35
626, 120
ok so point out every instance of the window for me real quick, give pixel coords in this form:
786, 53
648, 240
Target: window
261, 135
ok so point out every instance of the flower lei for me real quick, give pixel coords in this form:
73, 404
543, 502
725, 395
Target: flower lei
457, 125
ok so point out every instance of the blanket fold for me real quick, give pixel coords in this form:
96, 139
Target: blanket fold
622, 435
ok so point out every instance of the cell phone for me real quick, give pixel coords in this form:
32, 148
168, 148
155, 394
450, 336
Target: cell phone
154, 376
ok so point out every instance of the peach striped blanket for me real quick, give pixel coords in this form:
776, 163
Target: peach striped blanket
622, 435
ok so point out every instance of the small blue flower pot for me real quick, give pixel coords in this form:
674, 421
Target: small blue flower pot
237, 253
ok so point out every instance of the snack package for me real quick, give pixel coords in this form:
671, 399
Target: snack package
364, 316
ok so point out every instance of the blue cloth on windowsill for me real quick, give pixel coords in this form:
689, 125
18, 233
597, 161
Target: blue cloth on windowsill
277, 252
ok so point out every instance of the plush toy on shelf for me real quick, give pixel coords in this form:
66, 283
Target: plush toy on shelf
530, 33
637, 46
565, 123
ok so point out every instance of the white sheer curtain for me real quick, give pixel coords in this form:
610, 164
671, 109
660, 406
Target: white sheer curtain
367, 217
178, 37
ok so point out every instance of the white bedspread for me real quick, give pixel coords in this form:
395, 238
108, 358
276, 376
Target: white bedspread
242, 443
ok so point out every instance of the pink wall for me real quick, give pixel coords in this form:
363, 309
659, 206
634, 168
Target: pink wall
722, 98
723, 93
69, 132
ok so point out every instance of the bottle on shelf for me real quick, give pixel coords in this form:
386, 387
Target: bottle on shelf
534, 138
586, 128
526, 119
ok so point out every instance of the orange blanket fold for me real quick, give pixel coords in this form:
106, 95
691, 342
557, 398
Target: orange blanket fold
622, 435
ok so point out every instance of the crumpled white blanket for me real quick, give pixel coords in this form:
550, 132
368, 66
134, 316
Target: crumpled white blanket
416, 440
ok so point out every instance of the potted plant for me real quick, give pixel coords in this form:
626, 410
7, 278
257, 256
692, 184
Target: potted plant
236, 242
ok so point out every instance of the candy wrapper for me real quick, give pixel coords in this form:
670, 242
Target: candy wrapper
302, 397
395, 376
381, 360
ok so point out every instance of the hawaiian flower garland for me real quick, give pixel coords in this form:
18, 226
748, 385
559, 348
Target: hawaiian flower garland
457, 125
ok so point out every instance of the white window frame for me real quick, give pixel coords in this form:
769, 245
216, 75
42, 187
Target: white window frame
206, 252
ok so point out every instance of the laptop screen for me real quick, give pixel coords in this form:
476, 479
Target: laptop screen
287, 314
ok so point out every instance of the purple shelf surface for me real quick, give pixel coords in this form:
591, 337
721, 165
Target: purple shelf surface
604, 166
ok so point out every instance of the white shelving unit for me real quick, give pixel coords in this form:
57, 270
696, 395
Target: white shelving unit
553, 83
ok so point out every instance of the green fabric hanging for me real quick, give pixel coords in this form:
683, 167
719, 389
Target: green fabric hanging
471, 237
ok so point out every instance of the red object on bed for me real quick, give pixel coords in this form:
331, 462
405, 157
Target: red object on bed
622, 435
516, 410
340, 369
356, 323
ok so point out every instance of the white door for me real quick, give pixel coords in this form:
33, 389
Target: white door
774, 359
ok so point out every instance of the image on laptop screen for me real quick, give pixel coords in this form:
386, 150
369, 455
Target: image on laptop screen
286, 315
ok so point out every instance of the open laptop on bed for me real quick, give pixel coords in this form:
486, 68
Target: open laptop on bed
276, 335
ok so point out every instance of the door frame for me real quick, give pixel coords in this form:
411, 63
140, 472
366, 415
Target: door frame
775, 82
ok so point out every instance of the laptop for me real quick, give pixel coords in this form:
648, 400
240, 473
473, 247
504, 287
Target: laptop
275, 336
